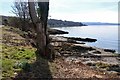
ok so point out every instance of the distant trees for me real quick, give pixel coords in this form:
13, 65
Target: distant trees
5, 22
21, 10
61, 23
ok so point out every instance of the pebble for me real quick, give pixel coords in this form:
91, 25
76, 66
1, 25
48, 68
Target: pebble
15, 73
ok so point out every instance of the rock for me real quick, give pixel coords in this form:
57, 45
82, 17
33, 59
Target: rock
77, 62
109, 50
97, 52
15, 73
113, 72
76, 69
91, 64
98, 76
56, 44
55, 31
82, 39
21, 49
70, 59
66, 70
66, 55
114, 68
58, 54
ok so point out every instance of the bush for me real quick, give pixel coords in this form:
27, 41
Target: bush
15, 22
20, 23
23, 64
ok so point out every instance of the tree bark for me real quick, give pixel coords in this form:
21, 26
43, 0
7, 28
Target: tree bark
40, 30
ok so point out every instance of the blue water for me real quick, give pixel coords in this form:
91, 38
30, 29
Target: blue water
106, 35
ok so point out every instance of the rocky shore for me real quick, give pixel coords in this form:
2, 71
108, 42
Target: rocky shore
97, 58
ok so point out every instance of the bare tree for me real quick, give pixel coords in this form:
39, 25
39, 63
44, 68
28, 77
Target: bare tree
21, 10
40, 25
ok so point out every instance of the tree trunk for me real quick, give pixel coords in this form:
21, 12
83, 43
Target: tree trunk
40, 30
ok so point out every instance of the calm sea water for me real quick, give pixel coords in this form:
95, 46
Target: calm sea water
106, 35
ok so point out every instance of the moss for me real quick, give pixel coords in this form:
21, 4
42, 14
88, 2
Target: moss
7, 67
102, 65
17, 52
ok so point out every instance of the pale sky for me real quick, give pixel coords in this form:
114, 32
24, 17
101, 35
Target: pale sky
76, 10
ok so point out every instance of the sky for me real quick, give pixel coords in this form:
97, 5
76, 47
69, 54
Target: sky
76, 10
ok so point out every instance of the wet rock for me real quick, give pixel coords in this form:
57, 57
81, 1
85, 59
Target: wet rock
91, 64
74, 41
83, 39
114, 68
97, 52
55, 31
109, 50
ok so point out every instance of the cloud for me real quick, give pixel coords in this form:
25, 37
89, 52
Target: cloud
77, 10
85, 10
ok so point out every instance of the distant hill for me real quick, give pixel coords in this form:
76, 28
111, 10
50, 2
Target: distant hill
98, 23
61, 23
51, 22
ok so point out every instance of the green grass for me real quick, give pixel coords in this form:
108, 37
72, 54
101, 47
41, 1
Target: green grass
15, 58
7, 67
102, 65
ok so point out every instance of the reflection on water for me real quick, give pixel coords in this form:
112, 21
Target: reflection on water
107, 36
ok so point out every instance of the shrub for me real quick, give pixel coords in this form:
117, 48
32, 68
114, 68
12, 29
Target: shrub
23, 64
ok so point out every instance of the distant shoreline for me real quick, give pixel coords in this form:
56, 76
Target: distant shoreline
100, 23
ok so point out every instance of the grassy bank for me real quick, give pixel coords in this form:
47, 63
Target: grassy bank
15, 55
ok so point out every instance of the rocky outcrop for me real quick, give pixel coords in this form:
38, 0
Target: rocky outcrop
55, 31
82, 39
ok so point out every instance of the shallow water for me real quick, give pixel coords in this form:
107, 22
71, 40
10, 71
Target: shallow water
106, 35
